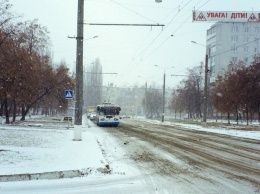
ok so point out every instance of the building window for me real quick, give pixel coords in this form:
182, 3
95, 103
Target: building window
234, 49
245, 49
246, 29
214, 29
213, 49
246, 59
212, 60
234, 29
256, 30
208, 32
256, 50
246, 39
233, 59
212, 70
234, 39
256, 40
211, 31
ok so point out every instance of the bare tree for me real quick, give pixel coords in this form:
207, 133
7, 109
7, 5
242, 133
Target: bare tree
93, 84
154, 102
27, 76
188, 96
237, 91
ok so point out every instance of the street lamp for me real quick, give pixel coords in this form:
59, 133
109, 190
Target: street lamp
145, 100
198, 43
91, 38
83, 39
205, 99
163, 88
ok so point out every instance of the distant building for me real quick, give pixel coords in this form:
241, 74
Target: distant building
129, 99
231, 42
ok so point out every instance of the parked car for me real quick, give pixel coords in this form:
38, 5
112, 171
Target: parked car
92, 116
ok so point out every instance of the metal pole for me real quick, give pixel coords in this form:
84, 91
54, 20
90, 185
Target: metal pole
163, 96
205, 100
79, 74
145, 103
79, 64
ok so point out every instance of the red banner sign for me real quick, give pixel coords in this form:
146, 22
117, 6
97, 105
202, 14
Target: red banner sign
225, 16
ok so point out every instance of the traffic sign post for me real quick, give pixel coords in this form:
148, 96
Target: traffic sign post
68, 94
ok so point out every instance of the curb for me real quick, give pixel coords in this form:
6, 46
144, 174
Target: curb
44, 175
53, 175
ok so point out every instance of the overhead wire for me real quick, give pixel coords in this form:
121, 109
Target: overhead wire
179, 28
171, 33
133, 11
138, 56
166, 26
229, 50
132, 68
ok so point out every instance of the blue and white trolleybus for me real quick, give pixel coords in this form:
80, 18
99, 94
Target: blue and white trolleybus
107, 115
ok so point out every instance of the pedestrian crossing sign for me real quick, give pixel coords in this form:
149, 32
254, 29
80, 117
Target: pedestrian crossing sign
68, 94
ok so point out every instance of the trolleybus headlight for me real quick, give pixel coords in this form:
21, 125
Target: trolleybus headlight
115, 119
102, 119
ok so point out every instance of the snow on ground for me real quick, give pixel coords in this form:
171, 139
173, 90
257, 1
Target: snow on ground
50, 147
252, 134
36, 149
44, 149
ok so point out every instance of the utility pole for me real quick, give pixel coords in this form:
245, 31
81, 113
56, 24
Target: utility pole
145, 99
205, 100
163, 89
79, 74
163, 96
145, 95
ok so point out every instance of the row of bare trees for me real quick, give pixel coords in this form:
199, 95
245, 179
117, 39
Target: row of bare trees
236, 93
28, 78
187, 98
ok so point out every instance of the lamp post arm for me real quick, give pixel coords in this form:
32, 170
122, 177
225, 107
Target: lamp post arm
205, 99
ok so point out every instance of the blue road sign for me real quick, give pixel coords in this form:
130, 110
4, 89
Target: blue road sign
68, 94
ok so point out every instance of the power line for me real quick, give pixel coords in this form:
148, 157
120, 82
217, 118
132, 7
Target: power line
132, 68
98, 73
133, 11
163, 31
114, 24
172, 34
180, 9
237, 47
221, 53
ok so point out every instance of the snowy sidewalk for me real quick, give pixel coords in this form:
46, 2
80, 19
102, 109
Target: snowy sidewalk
36, 150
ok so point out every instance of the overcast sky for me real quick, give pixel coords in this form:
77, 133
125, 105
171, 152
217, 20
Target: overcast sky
130, 51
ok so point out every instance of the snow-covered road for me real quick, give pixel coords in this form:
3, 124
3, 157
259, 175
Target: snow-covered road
142, 157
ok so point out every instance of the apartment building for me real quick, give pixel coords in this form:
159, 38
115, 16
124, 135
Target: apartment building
231, 42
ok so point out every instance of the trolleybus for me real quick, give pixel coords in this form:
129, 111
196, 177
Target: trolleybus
107, 115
